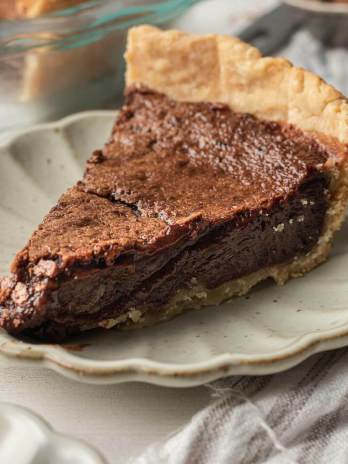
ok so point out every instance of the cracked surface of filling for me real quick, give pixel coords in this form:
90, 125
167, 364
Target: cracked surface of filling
181, 191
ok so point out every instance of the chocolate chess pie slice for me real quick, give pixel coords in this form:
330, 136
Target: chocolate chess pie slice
224, 168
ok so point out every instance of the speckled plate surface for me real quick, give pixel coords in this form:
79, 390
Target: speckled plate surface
272, 329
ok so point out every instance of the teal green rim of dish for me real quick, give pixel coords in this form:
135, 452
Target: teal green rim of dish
91, 24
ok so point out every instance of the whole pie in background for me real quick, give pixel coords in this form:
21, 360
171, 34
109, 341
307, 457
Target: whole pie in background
53, 75
33, 8
13, 9
223, 169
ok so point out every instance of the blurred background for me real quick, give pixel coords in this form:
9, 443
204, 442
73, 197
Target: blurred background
59, 57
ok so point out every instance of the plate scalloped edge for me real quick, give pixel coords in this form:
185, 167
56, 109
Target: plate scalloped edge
65, 362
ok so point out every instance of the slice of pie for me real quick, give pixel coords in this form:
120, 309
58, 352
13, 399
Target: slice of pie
223, 169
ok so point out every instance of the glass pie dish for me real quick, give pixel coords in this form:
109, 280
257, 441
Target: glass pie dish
70, 60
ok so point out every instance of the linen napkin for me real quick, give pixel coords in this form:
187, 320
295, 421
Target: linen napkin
296, 417
299, 416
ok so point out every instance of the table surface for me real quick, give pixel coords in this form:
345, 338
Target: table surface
120, 420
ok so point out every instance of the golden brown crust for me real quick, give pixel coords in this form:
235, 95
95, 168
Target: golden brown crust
224, 69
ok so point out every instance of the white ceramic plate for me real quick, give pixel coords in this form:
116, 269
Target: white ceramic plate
269, 331
26, 438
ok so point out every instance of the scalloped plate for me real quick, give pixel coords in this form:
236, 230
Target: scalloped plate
271, 330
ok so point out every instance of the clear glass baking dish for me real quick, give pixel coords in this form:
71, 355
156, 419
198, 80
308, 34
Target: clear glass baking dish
70, 60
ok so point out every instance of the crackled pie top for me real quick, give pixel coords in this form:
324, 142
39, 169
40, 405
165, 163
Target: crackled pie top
173, 170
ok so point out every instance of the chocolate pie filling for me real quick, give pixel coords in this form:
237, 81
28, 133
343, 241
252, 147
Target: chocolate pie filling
183, 194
